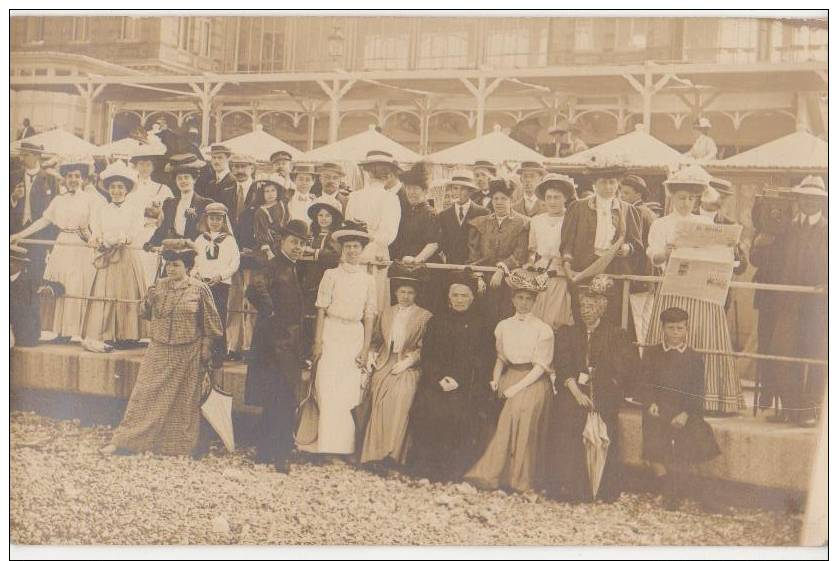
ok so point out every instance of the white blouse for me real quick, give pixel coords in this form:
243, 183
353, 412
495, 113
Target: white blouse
347, 292
398, 330
524, 339
380, 210
117, 223
72, 211
225, 264
545, 237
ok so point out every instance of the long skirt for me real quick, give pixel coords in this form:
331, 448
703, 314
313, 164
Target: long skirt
163, 414
708, 329
516, 454
552, 306
150, 261
72, 267
338, 387
392, 397
241, 315
123, 278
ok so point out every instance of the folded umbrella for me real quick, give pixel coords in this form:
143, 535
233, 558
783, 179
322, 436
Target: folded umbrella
218, 411
596, 441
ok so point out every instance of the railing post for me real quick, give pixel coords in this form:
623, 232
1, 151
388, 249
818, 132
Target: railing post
625, 311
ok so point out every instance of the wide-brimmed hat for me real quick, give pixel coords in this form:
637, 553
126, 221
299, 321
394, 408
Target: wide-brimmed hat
637, 183
82, 166
119, 171
303, 168
280, 155
531, 166
31, 148
179, 249
463, 178
598, 287
559, 181
185, 163
526, 280
352, 231
501, 186
151, 151
220, 149
812, 185
464, 279
330, 167
723, 186
380, 157
400, 276
690, 178
18, 253
296, 228
318, 205
491, 168
702, 123
239, 158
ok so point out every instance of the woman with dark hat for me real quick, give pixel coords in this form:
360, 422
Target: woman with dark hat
163, 413
346, 310
723, 393
398, 341
524, 344
181, 214
453, 412
552, 306
70, 266
595, 362
116, 234
499, 239
324, 252
270, 215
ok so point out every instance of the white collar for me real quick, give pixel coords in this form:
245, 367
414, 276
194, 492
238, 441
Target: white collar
34, 170
522, 317
186, 199
680, 348
404, 310
395, 188
530, 198
812, 219
220, 177
600, 203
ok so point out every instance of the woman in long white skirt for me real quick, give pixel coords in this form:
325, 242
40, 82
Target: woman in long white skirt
70, 266
346, 308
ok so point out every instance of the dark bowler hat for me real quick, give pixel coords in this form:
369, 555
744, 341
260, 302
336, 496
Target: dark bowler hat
637, 183
400, 276
501, 186
531, 166
186, 163
296, 228
220, 149
317, 206
281, 155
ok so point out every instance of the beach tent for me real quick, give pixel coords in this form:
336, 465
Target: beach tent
260, 145
60, 143
495, 147
354, 149
800, 151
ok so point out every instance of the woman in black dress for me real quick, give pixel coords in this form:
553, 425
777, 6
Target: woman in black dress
454, 411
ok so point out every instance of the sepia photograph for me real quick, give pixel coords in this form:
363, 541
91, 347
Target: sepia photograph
419, 278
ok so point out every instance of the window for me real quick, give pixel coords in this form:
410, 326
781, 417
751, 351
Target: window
34, 29
583, 35
261, 44
798, 43
183, 33
80, 29
128, 28
516, 43
385, 44
632, 34
443, 44
724, 40
204, 38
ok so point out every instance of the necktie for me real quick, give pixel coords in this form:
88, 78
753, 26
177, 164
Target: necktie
239, 200
462, 215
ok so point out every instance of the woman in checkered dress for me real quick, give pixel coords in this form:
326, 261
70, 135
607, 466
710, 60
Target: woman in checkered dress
163, 414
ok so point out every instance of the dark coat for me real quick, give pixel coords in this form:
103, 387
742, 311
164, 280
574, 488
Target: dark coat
674, 381
311, 272
44, 189
277, 350
450, 429
614, 363
454, 237
212, 187
579, 233
25, 310
166, 230
490, 243
226, 193
418, 227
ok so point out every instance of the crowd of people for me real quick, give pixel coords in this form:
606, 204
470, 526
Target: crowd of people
494, 371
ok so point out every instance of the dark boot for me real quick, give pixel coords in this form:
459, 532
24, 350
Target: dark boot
671, 497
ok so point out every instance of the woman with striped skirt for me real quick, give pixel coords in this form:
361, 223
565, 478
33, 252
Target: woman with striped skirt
722, 391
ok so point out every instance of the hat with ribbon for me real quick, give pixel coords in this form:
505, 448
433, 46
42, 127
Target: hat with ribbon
322, 204
220, 149
119, 171
304, 169
462, 178
690, 178
242, 159
526, 280
82, 166
352, 231
380, 157
563, 183
486, 166
531, 166
812, 185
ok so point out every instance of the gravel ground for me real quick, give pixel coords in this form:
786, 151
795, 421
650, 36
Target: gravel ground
64, 492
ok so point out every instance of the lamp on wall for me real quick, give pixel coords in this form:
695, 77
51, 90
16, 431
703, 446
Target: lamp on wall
336, 45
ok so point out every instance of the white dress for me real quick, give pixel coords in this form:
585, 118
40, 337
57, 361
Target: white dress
552, 306
347, 293
71, 266
142, 196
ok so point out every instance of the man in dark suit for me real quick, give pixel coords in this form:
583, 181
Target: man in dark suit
17, 192
276, 364
484, 171
591, 227
27, 131
799, 257
24, 303
239, 195
221, 178
529, 204
454, 221
40, 187
182, 214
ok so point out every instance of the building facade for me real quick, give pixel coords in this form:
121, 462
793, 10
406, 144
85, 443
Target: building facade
429, 82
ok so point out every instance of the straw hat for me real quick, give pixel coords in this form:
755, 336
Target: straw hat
119, 171
559, 181
352, 231
526, 280
812, 185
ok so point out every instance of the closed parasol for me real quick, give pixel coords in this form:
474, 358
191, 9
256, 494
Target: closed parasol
596, 441
218, 411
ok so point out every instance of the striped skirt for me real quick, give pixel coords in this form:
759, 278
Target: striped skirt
708, 330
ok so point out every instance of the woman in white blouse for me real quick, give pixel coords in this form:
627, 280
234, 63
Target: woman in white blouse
119, 286
398, 337
71, 265
515, 456
708, 321
552, 306
346, 308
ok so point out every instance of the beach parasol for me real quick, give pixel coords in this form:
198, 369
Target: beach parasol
596, 441
218, 411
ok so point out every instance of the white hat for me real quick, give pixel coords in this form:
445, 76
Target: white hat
710, 195
691, 177
811, 185
119, 169
463, 178
149, 151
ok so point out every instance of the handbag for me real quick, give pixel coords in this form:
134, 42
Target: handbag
308, 415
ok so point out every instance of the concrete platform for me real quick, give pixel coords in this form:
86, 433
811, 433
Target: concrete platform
754, 452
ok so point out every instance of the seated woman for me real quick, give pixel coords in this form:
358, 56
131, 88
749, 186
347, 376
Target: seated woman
345, 316
398, 339
552, 306
452, 415
70, 266
163, 414
515, 456
595, 362
117, 234
269, 214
